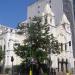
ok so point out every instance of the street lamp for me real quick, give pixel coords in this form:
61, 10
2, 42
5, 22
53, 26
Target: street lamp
12, 59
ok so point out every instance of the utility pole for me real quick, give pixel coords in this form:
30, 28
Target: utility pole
12, 59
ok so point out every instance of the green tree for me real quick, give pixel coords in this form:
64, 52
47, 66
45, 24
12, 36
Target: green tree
39, 42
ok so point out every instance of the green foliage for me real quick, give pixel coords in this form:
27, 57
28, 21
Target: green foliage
39, 42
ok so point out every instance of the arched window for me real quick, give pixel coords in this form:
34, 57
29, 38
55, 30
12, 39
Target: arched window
49, 1
51, 20
69, 43
65, 46
46, 19
50, 6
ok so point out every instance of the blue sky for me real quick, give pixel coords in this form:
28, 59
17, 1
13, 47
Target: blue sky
13, 11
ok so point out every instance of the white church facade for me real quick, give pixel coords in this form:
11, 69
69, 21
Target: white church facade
61, 32
8, 38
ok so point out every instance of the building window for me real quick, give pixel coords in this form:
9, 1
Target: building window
49, 1
45, 19
69, 43
38, 11
11, 30
50, 6
61, 47
65, 47
29, 17
38, 6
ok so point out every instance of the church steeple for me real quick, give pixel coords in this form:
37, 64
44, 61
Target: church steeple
47, 10
66, 24
64, 20
49, 15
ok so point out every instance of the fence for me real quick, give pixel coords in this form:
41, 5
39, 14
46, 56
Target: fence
62, 68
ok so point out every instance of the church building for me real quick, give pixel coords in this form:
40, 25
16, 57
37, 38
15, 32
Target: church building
59, 27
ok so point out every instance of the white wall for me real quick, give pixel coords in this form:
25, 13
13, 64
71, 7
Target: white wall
9, 39
56, 6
